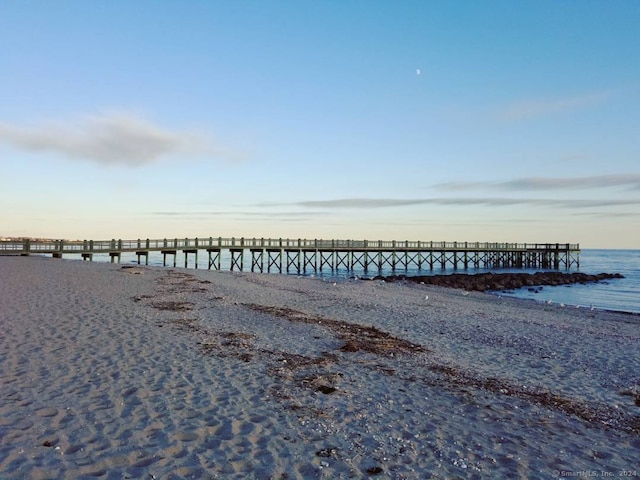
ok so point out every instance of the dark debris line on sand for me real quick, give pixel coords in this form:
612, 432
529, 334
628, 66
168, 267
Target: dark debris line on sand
369, 339
596, 414
372, 340
356, 337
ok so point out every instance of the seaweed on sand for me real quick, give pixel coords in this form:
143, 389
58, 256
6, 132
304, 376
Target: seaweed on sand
596, 414
173, 306
356, 337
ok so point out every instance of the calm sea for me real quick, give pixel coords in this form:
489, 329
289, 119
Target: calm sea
619, 294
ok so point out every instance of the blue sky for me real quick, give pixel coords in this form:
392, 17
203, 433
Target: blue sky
429, 120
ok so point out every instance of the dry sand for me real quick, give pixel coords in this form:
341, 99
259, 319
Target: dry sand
119, 372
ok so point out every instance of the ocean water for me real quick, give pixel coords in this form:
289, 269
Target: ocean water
616, 294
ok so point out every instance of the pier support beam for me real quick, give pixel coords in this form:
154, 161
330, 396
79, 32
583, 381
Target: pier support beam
186, 256
113, 255
168, 252
237, 258
293, 259
402, 260
309, 260
376, 259
415, 258
344, 259
326, 258
257, 256
387, 258
145, 254
214, 258
361, 259
274, 259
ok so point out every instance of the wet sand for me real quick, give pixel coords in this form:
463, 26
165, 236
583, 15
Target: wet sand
111, 371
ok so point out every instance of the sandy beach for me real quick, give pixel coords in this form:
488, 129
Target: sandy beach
117, 371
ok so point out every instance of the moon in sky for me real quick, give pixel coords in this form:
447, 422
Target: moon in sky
418, 71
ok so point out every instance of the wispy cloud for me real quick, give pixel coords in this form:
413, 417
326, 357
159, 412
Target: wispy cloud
359, 203
549, 183
258, 214
609, 214
376, 203
108, 139
533, 108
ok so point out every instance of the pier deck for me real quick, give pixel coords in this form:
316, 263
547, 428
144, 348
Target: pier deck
302, 255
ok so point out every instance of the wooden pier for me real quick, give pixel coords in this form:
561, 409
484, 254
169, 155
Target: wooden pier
313, 256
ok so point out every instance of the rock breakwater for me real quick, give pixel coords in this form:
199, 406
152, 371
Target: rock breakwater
483, 282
